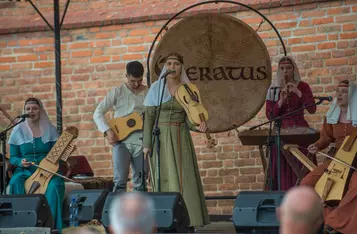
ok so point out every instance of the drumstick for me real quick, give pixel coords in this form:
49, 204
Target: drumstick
38, 166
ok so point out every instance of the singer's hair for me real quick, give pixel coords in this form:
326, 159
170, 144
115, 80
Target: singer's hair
175, 54
135, 69
32, 99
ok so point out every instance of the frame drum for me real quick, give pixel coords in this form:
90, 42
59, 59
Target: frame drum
228, 62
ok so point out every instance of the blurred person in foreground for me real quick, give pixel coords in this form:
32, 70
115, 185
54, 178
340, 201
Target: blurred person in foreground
301, 211
132, 212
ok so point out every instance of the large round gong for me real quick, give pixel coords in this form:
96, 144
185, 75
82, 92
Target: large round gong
228, 62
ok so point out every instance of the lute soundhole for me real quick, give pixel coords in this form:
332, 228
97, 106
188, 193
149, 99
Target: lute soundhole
131, 123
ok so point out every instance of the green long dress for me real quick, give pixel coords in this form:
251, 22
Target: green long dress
35, 152
177, 162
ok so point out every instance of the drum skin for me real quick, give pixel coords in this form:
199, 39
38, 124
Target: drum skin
228, 62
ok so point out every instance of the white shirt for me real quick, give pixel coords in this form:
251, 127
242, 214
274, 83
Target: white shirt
124, 102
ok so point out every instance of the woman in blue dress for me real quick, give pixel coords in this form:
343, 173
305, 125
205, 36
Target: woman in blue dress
31, 141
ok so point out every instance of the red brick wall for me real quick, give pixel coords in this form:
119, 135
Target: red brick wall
320, 35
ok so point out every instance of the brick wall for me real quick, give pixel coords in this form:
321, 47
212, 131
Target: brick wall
320, 35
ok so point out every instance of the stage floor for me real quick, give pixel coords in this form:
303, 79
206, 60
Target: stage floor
217, 227
214, 227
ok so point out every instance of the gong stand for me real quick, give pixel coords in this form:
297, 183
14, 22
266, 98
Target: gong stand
3, 136
278, 121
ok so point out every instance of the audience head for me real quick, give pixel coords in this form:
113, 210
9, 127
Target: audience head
301, 211
132, 213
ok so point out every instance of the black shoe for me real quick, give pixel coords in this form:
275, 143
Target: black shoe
118, 188
141, 188
191, 229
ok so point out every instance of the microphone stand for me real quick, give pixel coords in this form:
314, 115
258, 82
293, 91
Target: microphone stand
3, 136
278, 121
269, 149
156, 133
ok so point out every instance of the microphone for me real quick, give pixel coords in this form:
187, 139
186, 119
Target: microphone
278, 87
321, 99
168, 72
23, 116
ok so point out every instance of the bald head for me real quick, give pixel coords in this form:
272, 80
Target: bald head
132, 213
301, 208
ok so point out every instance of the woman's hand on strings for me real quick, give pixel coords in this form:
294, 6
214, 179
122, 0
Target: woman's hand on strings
312, 149
202, 127
25, 163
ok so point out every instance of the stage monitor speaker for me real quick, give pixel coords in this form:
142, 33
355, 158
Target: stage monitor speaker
255, 212
170, 211
90, 204
25, 211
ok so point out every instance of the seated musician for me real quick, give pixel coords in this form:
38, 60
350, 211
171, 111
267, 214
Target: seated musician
338, 123
291, 95
29, 142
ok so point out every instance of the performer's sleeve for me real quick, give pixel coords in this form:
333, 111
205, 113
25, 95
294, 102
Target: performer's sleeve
307, 98
103, 107
15, 155
326, 136
148, 125
269, 105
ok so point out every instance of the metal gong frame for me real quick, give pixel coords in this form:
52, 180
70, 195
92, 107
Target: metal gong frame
165, 26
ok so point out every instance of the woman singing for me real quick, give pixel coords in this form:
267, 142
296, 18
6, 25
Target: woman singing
30, 142
178, 163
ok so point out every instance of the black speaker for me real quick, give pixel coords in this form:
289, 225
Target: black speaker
255, 212
170, 211
25, 211
90, 204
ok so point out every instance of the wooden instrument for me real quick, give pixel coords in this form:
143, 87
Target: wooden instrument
189, 98
288, 136
124, 126
334, 182
298, 136
294, 150
228, 62
37, 183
